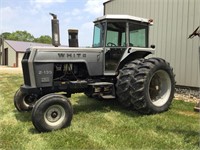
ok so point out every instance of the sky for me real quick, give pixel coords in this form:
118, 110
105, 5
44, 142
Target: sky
33, 17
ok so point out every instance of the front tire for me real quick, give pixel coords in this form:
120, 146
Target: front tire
52, 112
24, 102
147, 85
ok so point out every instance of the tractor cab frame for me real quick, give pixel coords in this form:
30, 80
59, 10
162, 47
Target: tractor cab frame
121, 36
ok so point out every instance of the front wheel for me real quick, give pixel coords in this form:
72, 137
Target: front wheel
52, 112
24, 102
147, 85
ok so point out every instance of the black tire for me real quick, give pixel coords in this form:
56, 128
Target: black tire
23, 102
52, 112
123, 82
147, 85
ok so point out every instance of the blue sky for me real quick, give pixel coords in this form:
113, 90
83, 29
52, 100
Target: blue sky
33, 16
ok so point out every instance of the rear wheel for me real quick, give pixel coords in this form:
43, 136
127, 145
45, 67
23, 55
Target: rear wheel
52, 112
24, 102
124, 82
147, 85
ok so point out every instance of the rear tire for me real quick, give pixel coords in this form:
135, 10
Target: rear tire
52, 112
124, 82
147, 85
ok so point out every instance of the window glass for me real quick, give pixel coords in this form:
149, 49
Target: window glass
116, 34
112, 38
138, 35
98, 35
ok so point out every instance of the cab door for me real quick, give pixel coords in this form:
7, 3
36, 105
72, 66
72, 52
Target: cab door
115, 45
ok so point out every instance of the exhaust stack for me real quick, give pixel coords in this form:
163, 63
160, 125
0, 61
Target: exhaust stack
73, 37
55, 30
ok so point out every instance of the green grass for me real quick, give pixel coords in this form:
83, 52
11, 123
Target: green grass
98, 125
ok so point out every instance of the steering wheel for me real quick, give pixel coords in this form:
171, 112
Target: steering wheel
110, 44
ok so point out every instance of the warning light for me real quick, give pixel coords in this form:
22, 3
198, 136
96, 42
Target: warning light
150, 20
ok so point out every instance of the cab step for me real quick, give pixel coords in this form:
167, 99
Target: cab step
108, 97
104, 90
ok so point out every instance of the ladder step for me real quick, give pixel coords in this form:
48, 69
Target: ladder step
108, 97
101, 83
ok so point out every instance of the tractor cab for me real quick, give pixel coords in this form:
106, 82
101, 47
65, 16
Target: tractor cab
116, 33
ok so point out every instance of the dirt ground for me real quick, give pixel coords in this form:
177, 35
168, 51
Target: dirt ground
185, 97
12, 70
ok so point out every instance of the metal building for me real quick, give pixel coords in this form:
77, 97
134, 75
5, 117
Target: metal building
12, 52
174, 21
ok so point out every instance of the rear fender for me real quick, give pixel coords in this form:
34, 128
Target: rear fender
133, 53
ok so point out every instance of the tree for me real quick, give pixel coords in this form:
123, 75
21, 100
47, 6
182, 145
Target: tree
5, 35
25, 36
21, 36
43, 39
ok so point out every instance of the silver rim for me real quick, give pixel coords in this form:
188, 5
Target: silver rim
27, 101
160, 88
54, 115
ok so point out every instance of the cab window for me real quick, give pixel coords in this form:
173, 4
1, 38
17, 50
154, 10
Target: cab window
98, 39
138, 35
116, 34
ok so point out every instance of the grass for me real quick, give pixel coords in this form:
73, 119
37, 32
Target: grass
98, 125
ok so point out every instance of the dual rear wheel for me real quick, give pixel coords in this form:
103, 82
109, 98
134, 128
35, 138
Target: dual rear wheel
146, 85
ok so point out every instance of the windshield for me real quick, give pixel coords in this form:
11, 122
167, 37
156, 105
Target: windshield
98, 39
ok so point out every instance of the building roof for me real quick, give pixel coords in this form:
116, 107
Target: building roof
21, 46
107, 1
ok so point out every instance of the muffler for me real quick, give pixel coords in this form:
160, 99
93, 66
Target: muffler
55, 30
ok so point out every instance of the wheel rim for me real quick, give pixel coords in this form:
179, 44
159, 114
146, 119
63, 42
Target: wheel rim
160, 88
54, 115
28, 100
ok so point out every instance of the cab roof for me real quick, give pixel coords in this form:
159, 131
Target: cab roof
124, 17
